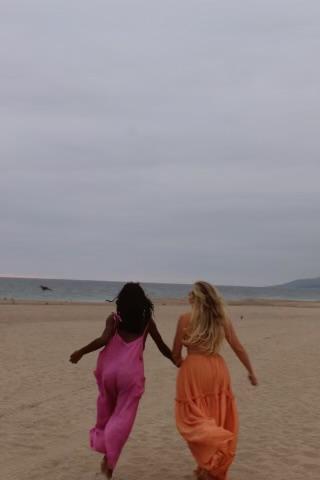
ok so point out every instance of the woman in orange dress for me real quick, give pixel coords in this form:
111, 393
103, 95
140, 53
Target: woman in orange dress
206, 413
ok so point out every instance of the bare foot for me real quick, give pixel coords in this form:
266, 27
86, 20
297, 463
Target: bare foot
204, 474
196, 472
201, 474
105, 469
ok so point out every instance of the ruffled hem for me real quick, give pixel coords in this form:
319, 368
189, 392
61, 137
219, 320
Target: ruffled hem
206, 413
213, 452
208, 423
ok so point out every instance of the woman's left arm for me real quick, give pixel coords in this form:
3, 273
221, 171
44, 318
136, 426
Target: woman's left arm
156, 337
239, 350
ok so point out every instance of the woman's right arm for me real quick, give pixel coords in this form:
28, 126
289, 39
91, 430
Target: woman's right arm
97, 343
239, 350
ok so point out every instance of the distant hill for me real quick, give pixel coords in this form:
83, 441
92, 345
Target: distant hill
302, 283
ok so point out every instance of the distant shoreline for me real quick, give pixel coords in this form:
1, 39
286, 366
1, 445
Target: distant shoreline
303, 283
88, 292
173, 301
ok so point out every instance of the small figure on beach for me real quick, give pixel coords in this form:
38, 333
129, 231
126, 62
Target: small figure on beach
120, 371
206, 413
45, 288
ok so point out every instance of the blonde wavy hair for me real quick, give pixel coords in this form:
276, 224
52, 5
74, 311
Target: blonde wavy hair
208, 319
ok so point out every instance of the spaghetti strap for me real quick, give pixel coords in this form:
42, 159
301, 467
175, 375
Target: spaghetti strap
116, 318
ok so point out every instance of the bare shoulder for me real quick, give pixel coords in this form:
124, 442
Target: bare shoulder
111, 321
110, 327
153, 331
184, 319
183, 323
151, 323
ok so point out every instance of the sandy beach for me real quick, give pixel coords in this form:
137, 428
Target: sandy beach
48, 404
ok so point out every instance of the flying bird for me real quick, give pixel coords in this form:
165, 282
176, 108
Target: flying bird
44, 288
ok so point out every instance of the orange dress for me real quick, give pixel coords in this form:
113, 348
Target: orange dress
206, 413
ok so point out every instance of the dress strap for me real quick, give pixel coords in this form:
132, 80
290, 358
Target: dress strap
116, 317
117, 320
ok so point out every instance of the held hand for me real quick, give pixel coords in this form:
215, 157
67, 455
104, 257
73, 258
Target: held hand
75, 356
253, 379
178, 363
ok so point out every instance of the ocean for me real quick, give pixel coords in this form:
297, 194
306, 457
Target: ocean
98, 291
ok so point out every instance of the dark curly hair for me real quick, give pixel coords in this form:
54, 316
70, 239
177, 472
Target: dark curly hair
134, 308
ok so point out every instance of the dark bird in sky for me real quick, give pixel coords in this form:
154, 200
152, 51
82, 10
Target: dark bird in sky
44, 288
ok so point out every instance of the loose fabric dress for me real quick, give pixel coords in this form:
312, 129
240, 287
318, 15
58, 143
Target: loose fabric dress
206, 414
120, 379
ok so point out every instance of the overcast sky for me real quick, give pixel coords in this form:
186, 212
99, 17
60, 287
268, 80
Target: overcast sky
160, 140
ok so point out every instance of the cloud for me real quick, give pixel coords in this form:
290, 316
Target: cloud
160, 141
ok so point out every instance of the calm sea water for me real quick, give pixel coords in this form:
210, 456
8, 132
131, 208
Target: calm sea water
93, 291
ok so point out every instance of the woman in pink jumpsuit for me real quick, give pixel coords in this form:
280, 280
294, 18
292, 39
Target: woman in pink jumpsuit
120, 371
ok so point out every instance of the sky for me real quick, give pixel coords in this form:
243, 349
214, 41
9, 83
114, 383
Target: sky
160, 141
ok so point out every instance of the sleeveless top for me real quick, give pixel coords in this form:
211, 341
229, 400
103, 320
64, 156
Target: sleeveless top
120, 364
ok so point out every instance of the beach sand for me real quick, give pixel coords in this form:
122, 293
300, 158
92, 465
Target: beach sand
48, 404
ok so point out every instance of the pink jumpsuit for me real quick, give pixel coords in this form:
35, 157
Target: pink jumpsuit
120, 378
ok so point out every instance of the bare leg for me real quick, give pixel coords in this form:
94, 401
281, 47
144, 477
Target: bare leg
196, 472
105, 469
201, 474
210, 477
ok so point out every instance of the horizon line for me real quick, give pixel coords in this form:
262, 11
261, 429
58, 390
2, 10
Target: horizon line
45, 277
